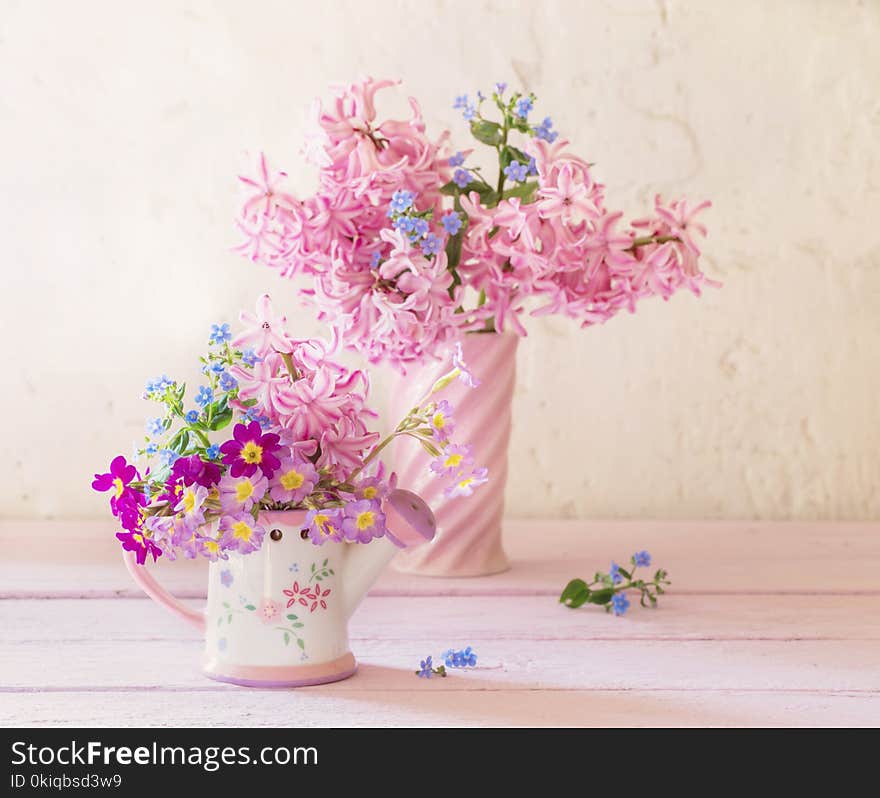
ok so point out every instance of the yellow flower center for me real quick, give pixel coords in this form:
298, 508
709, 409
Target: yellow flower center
117, 483
243, 490
325, 528
189, 500
371, 492
438, 421
242, 531
212, 545
252, 453
292, 480
453, 460
365, 520
465, 482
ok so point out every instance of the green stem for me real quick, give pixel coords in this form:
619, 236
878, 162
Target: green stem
645, 240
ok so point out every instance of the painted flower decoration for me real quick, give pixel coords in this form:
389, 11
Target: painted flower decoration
308, 596
269, 611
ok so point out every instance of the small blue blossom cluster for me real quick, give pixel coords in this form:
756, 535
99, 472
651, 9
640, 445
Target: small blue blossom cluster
465, 658
212, 411
158, 385
523, 106
406, 218
610, 590
516, 171
545, 130
467, 108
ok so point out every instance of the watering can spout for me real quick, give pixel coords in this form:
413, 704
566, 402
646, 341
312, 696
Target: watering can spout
409, 522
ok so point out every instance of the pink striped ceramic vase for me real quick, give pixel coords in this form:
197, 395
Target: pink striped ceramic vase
468, 540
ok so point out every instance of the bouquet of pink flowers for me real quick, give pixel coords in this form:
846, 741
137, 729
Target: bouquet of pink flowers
300, 440
408, 247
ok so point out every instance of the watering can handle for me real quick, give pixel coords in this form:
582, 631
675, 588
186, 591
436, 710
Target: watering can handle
146, 582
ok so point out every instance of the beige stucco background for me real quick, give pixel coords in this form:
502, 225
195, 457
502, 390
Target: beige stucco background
122, 126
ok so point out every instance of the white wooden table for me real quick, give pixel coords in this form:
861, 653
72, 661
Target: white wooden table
766, 624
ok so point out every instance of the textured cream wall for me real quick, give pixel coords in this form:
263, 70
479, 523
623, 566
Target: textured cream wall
122, 124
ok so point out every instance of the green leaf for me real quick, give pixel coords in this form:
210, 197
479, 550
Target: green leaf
221, 419
219, 620
331, 572
226, 604
317, 578
313, 567
518, 155
300, 643
324, 564
297, 625
286, 638
291, 617
575, 593
525, 191
601, 596
486, 132
250, 607
624, 574
229, 619
450, 189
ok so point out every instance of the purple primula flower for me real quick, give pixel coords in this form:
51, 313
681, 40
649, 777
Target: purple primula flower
192, 499
461, 177
453, 459
466, 375
500, 87
251, 449
426, 668
457, 159
324, 525
239, 494
363, 520
516, 171
294, 480
241, 533
465, 483
441, 421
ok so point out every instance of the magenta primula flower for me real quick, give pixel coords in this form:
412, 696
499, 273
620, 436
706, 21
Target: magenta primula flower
363, 520
294, 480
119, 477
140, 545
251, 449
193, 470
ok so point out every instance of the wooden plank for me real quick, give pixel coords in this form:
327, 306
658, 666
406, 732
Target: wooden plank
829, 665
458, 619
429, 704
72, 559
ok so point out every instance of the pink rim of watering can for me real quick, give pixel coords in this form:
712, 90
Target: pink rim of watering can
278, 617
468, 541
